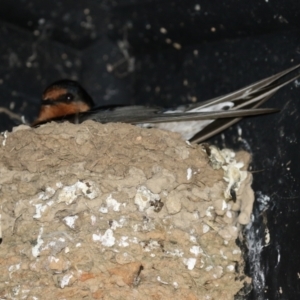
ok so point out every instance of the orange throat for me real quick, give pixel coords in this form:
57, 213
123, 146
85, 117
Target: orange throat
50, 112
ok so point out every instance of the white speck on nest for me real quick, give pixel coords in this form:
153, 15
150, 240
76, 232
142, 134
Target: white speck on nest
112, 203
70, 221
232, 173
205, 228
136, 227
229, 214
65, 280
15, 291
13, 268
208, 211
196, 215
207, 269
107, 239
143, 198
134, 240
176, 252
118, 224
51, 202
190, 263
202, 263
53, 258
216, 157
115, 224
47, 194
39, 209
189, 174
103, 209
224, 205
39, 242
59, 185
234, 176
196, 250
70, 193
236, 251
152, 245
123, 241
222, 254
175, 284
93, 219
161, 281
193, 239
230, 268
5, 137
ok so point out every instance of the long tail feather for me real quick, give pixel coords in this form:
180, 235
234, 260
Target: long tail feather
262, 88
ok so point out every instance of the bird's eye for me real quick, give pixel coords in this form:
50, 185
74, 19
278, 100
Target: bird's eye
69, 97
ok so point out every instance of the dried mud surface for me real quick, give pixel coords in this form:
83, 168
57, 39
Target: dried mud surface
114, 211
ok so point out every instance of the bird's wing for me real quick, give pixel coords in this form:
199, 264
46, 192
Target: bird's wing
142, 114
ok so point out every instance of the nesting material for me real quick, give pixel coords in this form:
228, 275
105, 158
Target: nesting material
119, 212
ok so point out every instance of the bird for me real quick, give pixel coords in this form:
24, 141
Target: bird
67, 100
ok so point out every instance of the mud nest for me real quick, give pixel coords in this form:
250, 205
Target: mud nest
114, 211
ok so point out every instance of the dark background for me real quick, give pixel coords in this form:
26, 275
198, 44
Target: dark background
172, 52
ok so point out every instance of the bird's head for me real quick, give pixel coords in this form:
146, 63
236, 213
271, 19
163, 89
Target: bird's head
63, 98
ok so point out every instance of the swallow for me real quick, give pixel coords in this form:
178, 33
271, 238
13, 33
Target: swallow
68, 100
